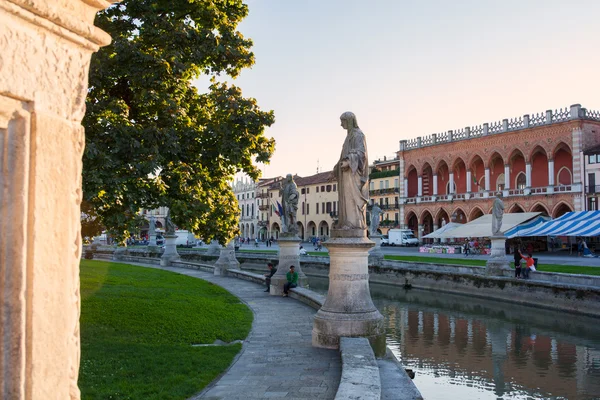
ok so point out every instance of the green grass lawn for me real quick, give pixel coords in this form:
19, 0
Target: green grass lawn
138, 326
567, 269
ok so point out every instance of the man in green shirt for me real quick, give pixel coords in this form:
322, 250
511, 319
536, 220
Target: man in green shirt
292, 281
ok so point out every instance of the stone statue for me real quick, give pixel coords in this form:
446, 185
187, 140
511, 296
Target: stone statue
497, 213
352, 173
375, 213
152, 229
289, 198
169, 226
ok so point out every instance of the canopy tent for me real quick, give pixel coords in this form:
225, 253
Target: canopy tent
519, 229
446, 228
482, 226
576, 223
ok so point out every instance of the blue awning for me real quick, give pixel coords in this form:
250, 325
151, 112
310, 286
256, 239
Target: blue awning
520, 229
577, 223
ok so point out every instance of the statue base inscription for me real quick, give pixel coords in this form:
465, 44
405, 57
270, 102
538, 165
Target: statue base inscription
289, 254
348, 310
497, 264
227, 260
170, 253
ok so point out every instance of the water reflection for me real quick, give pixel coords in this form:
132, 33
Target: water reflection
469, 348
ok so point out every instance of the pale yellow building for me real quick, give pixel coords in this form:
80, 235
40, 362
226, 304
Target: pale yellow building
384, 186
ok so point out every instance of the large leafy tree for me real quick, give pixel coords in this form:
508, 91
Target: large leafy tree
151, 138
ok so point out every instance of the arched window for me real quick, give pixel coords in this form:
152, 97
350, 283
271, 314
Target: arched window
448, 188
500, 182
481, 184
521, 181
564, 176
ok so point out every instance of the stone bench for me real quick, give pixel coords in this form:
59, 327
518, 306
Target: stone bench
360, 372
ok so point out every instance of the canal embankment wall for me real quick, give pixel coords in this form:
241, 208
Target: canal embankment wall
566, 292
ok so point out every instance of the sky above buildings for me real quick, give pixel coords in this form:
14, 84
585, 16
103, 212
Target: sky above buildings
411, 68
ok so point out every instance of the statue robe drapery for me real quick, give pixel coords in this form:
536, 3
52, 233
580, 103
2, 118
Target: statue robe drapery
353, 190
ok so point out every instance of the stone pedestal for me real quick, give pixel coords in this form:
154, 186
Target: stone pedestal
213, 248
227, 260
289, 254
376, 255
348, 310
152, 240
170, 254
44, 62
498, 264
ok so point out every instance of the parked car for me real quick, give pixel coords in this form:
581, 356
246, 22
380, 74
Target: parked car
160, 240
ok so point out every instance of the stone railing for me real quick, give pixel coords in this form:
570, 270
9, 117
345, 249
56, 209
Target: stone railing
506, 125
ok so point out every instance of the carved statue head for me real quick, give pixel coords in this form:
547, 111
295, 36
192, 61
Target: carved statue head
348, 120
289, 178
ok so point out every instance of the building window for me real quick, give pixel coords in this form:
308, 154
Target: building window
592, 183
323, 207
387, 184
317, 189
322, 188
317, 208
303, 191
395, 183
593, 204
396, 217
328, 210
372, 185
500, 182
380, 202
307, 190
242, 197
521, 181
252, 194
593, 158
329, 188
380, 185
303, 208
307, 208
334, 188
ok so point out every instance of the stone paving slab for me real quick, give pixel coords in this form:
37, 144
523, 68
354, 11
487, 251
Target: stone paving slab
277, 360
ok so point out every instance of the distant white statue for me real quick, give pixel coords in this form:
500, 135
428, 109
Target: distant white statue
289, 198
497, 214
375, 217
152, 229
352, 173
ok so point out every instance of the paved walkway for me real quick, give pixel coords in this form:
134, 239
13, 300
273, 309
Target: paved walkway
277, 360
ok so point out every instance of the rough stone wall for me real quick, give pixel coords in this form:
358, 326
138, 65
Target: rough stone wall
45, 50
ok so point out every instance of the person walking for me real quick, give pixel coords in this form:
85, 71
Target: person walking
517, 256
269, 275
466, 247
292, 281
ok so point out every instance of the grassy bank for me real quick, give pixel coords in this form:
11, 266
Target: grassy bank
567, 269
137, 330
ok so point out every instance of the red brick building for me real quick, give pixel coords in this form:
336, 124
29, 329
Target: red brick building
536, 161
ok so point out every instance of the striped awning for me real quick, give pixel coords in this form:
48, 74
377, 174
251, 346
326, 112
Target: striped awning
577, 223
525, 226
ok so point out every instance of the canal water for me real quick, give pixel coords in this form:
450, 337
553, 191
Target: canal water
470, 348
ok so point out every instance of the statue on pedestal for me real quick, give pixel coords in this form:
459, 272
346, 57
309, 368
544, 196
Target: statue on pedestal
289, 198
169, 226
375, 213
152, 229
497, 213
352, 173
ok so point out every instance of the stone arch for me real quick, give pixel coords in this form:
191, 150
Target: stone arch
412, 178
540, 207
495, 154
459, 168
477, 168
311, 228
409, 169
475, 213
323, 231
561, 209
561, 146
422, 214
516, 208
520, 181
243, 230
427, 179
496, 165
412, 221
564, 176
252, 231
499, 182
443, 175
458, 215
427, 223
440, 216
539, 167
442, 162
300, 230
275, 230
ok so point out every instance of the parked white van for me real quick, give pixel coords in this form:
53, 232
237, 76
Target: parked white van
400, 237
